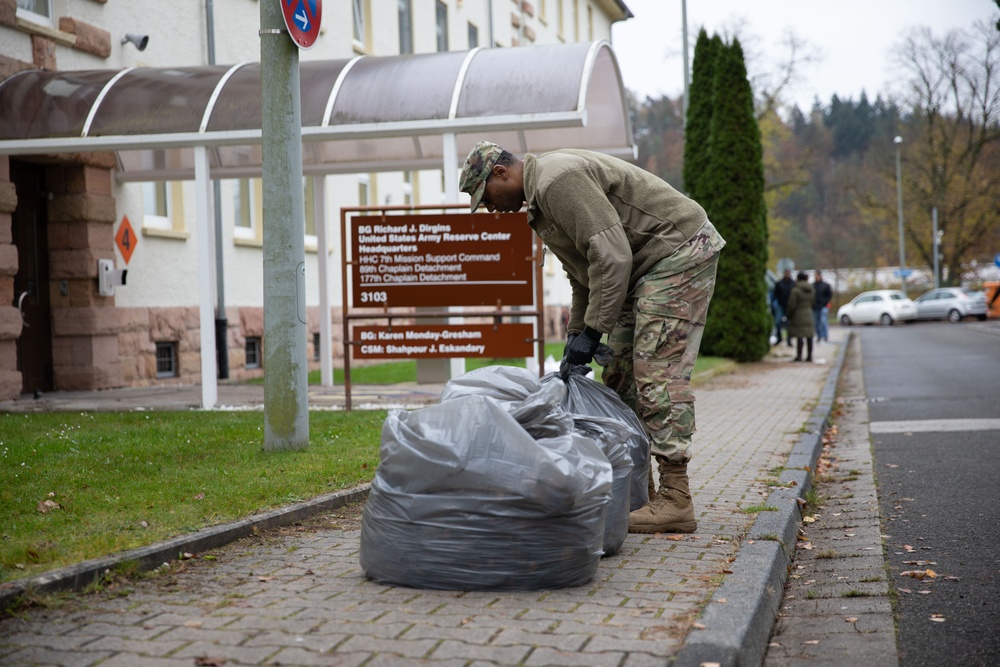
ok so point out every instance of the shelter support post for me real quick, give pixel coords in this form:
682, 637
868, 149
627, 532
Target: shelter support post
206, 311
323, 266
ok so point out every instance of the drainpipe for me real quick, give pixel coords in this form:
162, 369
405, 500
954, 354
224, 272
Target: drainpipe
221, 348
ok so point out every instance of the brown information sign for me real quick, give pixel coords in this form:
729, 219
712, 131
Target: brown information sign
430, 341
406, 260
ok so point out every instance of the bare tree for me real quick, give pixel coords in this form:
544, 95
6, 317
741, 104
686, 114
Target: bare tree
951, 141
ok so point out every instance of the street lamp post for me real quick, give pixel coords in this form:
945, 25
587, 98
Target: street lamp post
899, 214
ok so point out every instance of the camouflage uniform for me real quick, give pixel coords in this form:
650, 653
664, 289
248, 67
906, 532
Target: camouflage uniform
656, 341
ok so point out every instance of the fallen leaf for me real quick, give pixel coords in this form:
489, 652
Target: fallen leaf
851, 619
192, 624
698, 626
919, 574
265, 578
809, 519
205, 661
937, 618
811, 641
905, 590
187, 556
47, 505
924, 592
200, 496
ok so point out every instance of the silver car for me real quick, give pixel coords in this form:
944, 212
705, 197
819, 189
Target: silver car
884, 306
951, 303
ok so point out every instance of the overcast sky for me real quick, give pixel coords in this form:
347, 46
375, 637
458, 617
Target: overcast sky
852, 39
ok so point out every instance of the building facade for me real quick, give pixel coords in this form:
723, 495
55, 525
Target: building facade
62, 213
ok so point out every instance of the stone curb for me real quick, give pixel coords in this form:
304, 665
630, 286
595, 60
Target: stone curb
80, 575
741, 614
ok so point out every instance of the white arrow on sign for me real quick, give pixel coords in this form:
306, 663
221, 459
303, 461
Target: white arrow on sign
304, 19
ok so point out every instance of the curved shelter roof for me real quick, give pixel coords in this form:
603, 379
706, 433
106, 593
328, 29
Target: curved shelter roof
362, 114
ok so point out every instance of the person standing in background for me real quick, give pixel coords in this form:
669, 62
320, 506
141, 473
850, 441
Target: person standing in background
800, 317
782, 289
821, 307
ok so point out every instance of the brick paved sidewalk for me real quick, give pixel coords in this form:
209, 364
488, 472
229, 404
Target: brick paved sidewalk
298, 596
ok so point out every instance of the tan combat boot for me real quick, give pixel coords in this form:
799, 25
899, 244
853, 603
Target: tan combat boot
670, 509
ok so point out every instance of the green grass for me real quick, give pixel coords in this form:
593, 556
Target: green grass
130, 479
124, 480
756, 509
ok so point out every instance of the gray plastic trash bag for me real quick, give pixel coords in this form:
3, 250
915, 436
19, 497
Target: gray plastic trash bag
466, 499
587, 397
538, 405
613, 438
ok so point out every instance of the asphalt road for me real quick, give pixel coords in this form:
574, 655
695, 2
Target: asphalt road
934, 393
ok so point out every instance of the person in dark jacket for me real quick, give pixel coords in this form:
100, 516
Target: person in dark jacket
821, 307
782, 289
800, 317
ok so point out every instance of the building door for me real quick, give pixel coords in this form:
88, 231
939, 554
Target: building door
31, 284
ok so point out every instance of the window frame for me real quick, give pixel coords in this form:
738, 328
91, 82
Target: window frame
441, 31
405, 15
35, 17
257, 345
171, 347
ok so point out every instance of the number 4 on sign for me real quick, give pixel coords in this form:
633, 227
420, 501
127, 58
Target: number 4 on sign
125, 238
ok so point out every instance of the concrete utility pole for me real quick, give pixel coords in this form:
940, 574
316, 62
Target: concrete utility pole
286, 399
899, 215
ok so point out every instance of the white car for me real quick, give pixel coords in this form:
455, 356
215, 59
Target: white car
951, 303
883, 306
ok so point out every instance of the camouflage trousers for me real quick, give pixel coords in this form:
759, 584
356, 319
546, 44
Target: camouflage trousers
656, 341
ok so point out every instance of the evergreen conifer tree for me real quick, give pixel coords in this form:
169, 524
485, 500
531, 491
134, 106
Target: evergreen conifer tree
732, 187
699, 113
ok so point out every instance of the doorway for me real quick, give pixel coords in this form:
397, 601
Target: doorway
31, 284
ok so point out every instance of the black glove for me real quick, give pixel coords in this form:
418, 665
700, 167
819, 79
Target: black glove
580, 349
570, 337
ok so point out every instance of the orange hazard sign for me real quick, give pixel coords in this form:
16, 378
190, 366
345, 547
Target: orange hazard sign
125, 238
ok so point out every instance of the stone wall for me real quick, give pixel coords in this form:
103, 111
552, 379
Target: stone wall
10, 318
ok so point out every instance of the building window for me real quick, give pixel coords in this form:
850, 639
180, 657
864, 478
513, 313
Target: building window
364, 191
166, 359
36, 11
316, 350
405, 26
442, 26
473, 36
253, 353
156, 205
245, 215
408, 187
361, 24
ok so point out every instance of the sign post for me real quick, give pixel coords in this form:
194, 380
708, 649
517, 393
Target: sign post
303, 19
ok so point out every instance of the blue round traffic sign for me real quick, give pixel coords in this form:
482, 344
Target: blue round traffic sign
303, 19
996, 259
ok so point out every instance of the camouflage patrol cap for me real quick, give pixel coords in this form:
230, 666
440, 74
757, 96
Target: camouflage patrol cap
477, 169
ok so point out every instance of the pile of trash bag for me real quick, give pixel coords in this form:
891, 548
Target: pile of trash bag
499, 487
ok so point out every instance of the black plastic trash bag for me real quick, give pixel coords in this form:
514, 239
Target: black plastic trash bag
466, 499
587, 397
